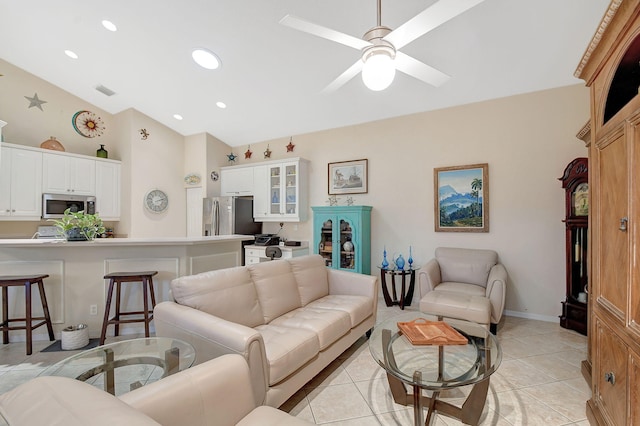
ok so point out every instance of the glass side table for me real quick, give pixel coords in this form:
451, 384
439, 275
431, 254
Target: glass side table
406, 294
126, 365
437, 367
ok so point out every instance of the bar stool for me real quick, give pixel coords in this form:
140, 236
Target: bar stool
7, 281
116, 278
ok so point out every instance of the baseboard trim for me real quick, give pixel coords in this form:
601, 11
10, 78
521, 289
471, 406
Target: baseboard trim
528, 315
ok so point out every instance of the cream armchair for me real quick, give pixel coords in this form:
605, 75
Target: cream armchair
464, 283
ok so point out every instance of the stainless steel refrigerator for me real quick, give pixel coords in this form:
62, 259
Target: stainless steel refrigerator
229, 215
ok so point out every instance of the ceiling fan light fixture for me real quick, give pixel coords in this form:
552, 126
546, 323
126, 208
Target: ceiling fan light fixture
379, 68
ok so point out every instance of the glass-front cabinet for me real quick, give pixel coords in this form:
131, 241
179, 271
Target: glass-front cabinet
280, 191
342, 236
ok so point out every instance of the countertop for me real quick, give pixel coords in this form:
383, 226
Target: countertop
113, 242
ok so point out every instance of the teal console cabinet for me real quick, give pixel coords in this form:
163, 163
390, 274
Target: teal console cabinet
342, 235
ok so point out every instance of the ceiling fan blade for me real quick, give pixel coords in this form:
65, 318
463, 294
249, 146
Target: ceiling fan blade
343, 78
324, 32
430, 18
419, 70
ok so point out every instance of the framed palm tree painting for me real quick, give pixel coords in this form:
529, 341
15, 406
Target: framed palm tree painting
461, 195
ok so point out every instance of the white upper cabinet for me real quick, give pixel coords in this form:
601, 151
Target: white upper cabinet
108, 190
286, 192
261, 198
236, 180
20, 184
64, 174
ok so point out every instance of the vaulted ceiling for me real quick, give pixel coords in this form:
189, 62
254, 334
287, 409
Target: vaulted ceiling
272, 76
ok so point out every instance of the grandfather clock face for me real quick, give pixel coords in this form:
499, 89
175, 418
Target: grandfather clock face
581, 200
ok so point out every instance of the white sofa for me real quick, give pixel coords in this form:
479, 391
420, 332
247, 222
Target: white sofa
288, 318
215, 393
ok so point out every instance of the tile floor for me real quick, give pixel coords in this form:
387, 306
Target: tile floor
538, 383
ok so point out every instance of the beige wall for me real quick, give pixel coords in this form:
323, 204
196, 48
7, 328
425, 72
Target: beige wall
527, 141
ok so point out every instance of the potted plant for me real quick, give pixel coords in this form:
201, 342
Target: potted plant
79, 226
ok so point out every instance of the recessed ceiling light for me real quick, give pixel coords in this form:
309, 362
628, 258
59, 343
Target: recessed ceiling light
71, 54
221, 105
206, 59
177, 116
109, 25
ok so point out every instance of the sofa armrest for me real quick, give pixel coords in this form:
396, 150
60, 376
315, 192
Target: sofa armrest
429, 277
343, 282
350, 283
218, 391
496, 291
212, 337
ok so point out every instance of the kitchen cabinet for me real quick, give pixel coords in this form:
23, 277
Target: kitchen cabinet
342, 236
257, 254
108, 189
64, 173
281, 191
236, 180
614, 207
20, 184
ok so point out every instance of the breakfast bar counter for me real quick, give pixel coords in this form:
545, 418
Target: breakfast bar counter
75, 288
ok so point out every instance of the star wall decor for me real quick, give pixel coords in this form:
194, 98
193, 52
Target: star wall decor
144, 134
248, 153
35, 102
290, 146
267, 152
333, 200
232, 157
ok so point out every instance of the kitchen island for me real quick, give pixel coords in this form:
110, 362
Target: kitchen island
76, 290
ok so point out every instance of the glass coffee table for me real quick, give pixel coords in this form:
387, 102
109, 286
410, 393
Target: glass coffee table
437, 367
126, 365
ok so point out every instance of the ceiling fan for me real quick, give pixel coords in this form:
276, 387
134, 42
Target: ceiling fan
380, 45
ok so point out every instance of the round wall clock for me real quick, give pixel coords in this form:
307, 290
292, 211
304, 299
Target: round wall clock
156, 201
87, 124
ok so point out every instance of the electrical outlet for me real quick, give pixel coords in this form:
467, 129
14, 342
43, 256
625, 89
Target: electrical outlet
93, 310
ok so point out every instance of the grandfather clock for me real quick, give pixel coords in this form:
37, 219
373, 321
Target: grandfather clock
576, 185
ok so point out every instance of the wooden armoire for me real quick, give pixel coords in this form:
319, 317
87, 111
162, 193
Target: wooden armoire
611, 69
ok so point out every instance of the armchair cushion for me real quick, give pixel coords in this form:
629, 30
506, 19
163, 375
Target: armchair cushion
465, 265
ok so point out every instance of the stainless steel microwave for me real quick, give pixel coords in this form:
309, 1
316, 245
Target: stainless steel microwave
54, 205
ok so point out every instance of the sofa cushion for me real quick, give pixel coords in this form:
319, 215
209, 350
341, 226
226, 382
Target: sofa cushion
329, 325
287, 349
358, 307
276, 288
311, 276
226, 293
64, 401
466, 265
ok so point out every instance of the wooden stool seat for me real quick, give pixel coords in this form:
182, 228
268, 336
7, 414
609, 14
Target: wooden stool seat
115, 279
7, 281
